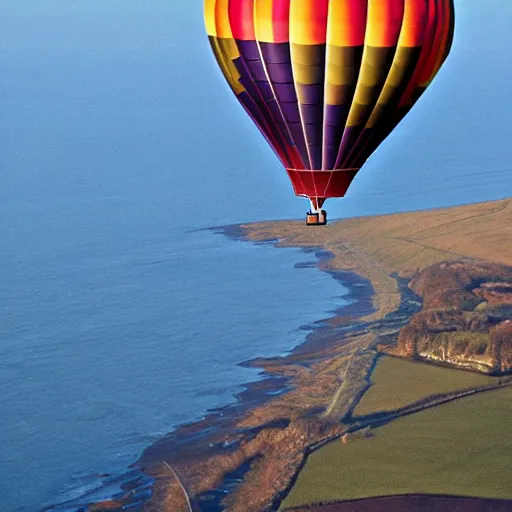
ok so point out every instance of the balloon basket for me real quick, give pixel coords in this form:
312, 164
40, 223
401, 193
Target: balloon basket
316, 219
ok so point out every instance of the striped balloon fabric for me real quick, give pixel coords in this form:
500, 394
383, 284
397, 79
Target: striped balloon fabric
326, 81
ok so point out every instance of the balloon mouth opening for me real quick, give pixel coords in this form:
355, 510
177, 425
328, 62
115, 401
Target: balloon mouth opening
318, 186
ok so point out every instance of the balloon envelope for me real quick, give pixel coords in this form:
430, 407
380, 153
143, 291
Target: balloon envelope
326, 81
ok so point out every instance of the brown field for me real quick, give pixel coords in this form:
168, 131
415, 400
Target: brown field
403, 243
415, 503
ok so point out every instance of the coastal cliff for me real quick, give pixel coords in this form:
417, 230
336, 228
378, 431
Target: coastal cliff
465, 320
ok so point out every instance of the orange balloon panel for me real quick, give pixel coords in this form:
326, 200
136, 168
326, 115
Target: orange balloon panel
326, 81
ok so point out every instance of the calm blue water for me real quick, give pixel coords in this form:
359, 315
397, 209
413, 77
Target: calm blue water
118, 321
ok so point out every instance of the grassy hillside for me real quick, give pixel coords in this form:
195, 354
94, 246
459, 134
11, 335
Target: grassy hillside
399, 382
460, 448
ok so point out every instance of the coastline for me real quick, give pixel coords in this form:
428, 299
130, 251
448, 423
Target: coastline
222, 431
148, 483
252, 451
246, 456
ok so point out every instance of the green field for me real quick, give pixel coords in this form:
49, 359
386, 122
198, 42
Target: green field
461, 448
399, 382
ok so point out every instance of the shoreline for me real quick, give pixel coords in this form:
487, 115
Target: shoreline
138, 487
246, 456
207, 434
354, 328
361, 293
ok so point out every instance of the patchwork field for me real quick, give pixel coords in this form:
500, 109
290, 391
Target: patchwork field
399, 382
461, 448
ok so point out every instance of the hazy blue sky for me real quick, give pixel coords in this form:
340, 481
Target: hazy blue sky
144, 69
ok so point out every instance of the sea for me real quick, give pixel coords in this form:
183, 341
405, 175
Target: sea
123, 314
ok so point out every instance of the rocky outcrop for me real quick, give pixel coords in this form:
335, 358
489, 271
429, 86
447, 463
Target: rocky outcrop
466, 320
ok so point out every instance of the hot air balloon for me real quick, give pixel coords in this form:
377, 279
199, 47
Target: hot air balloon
326, 81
